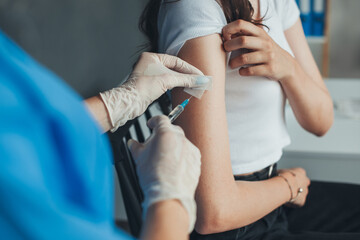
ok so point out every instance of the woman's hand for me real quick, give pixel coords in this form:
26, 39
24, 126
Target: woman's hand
265, 57
133, 97
297, 179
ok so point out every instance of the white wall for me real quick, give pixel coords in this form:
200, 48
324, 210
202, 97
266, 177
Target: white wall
344, 40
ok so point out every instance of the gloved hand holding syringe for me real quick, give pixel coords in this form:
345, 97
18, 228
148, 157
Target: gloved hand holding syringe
172, 189
153, 75
167, 147
158, 69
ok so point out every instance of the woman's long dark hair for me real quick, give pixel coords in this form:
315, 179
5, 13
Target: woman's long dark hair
233, 10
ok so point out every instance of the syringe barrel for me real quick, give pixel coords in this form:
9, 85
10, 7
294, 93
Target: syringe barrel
175, 113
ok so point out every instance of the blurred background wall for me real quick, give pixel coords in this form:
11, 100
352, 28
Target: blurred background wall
91, 44
345, 39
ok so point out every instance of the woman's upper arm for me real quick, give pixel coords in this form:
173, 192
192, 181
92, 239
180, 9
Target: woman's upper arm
204, 122
298, 44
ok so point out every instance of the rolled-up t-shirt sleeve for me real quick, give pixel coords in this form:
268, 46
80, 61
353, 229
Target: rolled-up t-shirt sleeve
179, 21
290, 13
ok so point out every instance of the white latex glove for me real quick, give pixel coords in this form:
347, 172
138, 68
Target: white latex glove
132, 98
168, 166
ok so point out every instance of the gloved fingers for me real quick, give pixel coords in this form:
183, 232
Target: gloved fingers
143, 61
135, 148
178, 65
170, 62
184, 80
196, 154
162, 125
157, 121
193, 158
190, 207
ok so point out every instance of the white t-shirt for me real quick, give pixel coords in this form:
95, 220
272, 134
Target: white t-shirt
254, 105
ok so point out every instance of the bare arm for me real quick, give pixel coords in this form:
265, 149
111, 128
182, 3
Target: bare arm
99, 112
305, 88
166, 220
223, 203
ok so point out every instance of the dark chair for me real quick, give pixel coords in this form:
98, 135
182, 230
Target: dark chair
125, 166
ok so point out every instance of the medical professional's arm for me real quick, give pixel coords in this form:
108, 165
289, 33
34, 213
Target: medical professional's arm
113, 108
36, 199
299, 76
166, 220
99, 112
223, 203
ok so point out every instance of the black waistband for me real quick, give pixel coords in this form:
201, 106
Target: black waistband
263, 174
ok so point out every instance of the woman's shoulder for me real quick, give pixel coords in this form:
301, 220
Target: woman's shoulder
192, 9
287, 10
192, 3
282, 6
179, 21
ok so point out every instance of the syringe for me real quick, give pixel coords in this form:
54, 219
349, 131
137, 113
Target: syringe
178, 110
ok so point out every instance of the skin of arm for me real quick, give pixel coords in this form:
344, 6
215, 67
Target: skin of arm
166, 220
305, 88
223, 203
99, 112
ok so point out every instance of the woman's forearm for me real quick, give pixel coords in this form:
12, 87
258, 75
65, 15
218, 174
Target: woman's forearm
166, 220
97, 108
304, 87
241, 204
311, 103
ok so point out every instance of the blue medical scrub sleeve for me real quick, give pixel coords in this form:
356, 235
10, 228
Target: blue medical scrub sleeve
56, 179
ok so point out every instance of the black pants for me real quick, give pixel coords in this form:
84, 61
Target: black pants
332, 211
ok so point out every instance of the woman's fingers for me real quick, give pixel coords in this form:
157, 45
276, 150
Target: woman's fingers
158, 121
300, 189
269, 70
258, 70
241, 26
248, 42
257, 57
